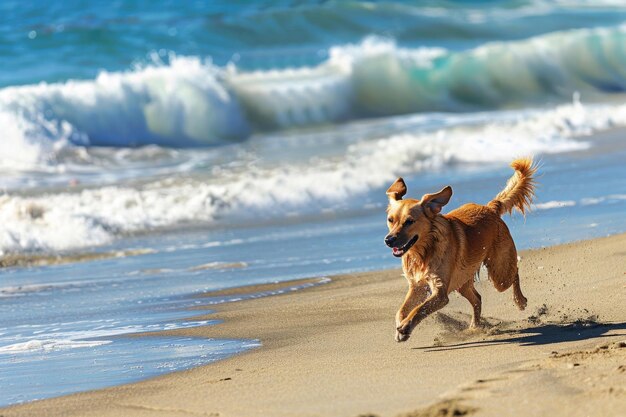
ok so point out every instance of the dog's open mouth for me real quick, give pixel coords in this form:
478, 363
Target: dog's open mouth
398, 252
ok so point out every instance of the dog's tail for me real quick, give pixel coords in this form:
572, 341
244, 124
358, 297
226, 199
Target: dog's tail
519, 190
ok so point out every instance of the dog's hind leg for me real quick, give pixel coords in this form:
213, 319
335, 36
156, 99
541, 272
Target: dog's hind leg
468, 291
518, 297
503, 274
501, 262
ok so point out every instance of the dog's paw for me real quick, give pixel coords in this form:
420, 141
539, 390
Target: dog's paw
403, 331
400, 337
475, 325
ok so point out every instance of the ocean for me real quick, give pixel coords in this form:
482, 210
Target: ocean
218, 144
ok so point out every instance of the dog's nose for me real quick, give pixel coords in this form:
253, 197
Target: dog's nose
390, 240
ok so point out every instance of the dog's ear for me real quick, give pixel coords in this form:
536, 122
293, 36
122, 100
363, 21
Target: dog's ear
397, 190
435, 202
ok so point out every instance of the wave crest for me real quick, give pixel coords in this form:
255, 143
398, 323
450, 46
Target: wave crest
183, 103
191, 102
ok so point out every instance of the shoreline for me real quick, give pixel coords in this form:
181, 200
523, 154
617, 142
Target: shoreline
328, 350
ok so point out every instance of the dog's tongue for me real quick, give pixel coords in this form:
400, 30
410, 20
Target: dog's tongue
396, 251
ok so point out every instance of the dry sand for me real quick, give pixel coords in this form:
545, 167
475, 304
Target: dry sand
329, 351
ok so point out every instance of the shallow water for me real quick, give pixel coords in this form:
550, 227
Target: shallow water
56, 371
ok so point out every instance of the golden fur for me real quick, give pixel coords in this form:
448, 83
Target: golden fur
442, 253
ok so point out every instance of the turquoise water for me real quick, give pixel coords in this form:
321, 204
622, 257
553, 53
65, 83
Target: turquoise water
236, 143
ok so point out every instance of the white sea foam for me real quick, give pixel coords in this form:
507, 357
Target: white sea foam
554, 204
49, 345
97, 216
585, 201
590, 201
211, 300
19, 290
80, 334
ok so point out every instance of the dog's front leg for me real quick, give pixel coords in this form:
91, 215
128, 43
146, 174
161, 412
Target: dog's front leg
436, 301
417, 294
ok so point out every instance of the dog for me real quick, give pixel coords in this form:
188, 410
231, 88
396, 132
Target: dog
442, 253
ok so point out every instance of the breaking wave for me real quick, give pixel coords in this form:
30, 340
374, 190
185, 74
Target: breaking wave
192, 102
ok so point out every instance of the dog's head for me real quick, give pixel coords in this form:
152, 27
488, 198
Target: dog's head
409, 219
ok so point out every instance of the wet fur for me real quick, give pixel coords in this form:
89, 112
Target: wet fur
451, 248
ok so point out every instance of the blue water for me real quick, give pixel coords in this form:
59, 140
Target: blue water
228, 143
77, 39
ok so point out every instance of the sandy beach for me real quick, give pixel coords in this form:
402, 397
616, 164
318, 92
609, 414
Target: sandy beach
329, 351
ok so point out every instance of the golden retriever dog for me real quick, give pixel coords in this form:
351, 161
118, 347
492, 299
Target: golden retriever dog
443, 253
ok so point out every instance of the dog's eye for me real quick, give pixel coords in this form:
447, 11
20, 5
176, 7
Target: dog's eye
409, 222
390, 220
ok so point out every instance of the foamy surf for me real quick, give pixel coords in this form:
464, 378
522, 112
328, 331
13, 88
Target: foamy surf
49, 345
96, 216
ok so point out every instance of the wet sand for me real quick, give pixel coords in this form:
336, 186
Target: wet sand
11, 260
329, 351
